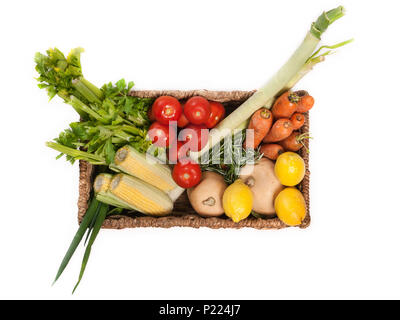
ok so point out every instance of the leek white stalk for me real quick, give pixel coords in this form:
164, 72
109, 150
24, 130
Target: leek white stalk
289, 73
306, 68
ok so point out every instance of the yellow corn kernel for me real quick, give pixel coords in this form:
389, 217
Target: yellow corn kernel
130, 161
140, 195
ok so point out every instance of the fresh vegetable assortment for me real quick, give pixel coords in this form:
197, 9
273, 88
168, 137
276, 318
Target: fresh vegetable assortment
232, 165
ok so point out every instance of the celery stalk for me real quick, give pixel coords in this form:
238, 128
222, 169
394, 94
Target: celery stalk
79, 105
81, 86
77, 154
94, 89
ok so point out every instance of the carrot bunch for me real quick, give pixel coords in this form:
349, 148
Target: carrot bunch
278, 131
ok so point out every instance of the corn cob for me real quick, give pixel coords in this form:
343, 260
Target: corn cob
134, 163
140, 195
102, 182
101, 187
109, 200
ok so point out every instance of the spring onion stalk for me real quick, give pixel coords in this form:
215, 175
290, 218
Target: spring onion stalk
94, 232
290, 72
87, 219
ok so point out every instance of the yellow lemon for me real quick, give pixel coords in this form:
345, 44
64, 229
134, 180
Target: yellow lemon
290, 206
237, 201
290, 169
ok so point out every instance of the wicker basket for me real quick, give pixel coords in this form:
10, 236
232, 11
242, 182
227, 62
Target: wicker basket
183, 214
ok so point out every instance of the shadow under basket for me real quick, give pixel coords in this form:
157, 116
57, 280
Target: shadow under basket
183, 214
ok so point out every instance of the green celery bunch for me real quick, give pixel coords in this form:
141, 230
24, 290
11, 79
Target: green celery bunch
100, 141
111, 118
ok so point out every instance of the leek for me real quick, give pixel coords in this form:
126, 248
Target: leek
292, 71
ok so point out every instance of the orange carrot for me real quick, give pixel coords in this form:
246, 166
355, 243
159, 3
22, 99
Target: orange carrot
285, 105
271, 150
306, 101
260, 123
295, 141
297, 120
281, 129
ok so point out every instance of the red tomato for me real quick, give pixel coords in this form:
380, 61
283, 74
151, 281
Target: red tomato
197, 110
159, 135
216, 115
182, 121
177, 151
196, 137
166, 109
186, 173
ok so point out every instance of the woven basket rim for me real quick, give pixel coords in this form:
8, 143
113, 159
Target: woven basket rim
86, 171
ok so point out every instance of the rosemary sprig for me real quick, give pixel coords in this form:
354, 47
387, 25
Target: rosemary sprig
228, 157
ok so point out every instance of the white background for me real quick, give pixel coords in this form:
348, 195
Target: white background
351, 249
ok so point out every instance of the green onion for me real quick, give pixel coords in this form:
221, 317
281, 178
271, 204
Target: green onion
91, 223
99, 221
90, 213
